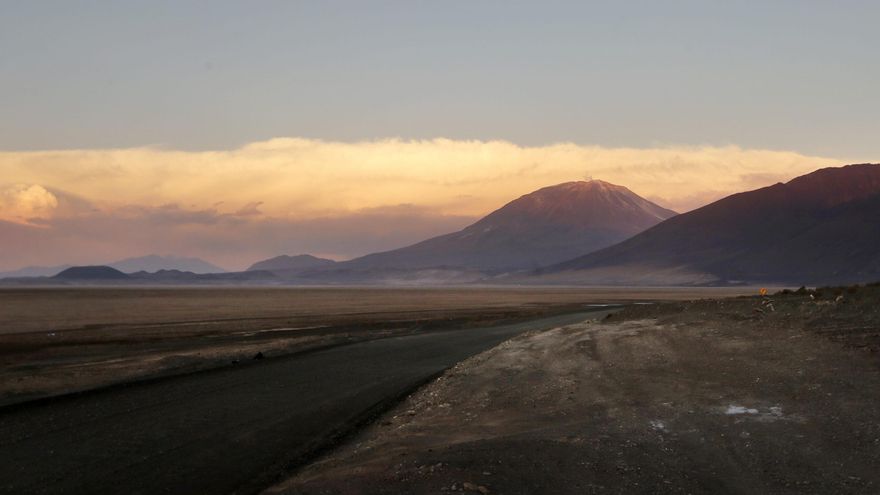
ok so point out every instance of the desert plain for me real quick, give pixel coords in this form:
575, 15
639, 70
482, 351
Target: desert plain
415, 390
57, 340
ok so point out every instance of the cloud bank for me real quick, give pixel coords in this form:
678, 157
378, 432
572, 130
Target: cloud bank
290, 195
21, 203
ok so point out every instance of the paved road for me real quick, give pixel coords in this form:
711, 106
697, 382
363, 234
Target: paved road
224, 431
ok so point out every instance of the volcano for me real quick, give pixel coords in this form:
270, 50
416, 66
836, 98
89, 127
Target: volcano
546, 226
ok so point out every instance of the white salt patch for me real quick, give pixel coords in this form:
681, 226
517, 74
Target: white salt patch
731, 410
658, 425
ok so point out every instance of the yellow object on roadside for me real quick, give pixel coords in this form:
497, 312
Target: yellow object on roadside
763, 291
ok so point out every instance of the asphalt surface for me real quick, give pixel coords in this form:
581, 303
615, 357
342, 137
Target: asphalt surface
232, 430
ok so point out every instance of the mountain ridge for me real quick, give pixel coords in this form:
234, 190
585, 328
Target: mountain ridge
822, 227
284, 263
155, 262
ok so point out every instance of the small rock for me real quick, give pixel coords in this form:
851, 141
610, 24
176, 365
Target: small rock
475, 488
259, 355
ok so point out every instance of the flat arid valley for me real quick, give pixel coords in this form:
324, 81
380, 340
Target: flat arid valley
372, 390
378, 247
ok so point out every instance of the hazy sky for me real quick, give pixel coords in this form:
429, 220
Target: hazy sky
799, 75
344, 127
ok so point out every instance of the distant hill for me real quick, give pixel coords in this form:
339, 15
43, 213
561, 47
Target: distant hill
286, 263
541, 228
34, 271
153, 263
820, 228
91, 273
178, 277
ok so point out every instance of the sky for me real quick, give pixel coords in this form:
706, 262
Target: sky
235, 131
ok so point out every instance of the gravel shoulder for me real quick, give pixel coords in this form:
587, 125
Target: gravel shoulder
744, 395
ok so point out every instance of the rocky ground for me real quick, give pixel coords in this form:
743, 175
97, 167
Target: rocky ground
772, 394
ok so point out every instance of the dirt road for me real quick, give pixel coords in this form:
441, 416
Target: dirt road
228, 430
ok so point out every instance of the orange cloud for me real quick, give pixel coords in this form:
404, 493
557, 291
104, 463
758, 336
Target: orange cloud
302, 178
26, 203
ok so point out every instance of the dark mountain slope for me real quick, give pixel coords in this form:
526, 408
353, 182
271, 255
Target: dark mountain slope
819, 228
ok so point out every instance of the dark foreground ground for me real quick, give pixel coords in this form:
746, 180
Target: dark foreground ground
746, 395
233, 430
